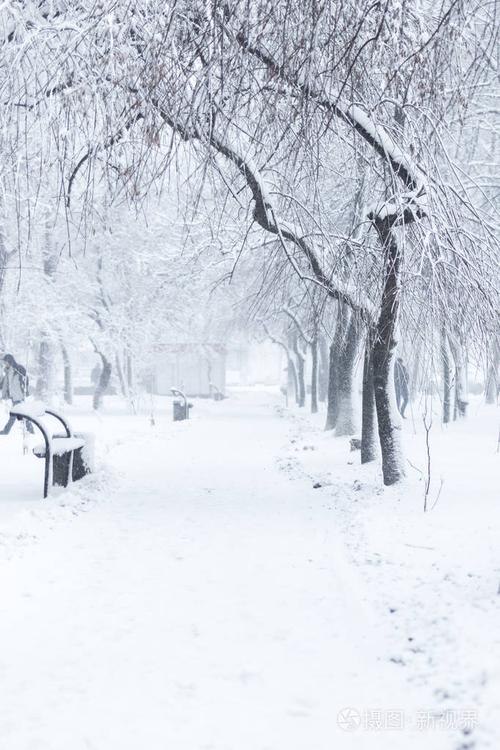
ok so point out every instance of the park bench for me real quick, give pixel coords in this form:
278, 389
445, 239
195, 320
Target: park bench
63, 454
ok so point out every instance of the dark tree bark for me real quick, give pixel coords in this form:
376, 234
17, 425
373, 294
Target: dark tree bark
460, 405
333, 382
368, 425
102, 383
323, 369
314, 376
68, 375
300, 376
299, 369
301, 381
340, 415
292, 384
389, 427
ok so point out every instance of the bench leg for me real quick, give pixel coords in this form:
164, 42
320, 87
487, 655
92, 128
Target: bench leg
48, 474
69, 478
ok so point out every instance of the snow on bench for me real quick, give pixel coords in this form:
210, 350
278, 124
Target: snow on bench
29, 409
60, 446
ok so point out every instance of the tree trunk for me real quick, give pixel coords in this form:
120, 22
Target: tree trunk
130, 371
292, 384
389, 425
301, 380
4, 262
121, 377
368, 425
415, 385
129, 379
102, 383
44, 388
340, 413
68, 375
300, 367
459, 355
314, 376
345, 415
45, 385
446, 372
323, 368
333, 383
492, 379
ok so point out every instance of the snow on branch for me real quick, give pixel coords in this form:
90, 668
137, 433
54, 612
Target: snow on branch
400, 162
290, 314
264, 212
275, 340
109, 143
402, 209
265, 215
373, 133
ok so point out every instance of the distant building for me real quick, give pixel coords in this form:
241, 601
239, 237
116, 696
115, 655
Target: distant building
254, 363
196, 369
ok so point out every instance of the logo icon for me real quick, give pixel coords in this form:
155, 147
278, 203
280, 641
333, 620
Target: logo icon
349, 719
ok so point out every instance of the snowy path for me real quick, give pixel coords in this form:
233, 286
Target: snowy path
205, 605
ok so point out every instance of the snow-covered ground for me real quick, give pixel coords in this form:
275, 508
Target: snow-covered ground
433, 577
199, 593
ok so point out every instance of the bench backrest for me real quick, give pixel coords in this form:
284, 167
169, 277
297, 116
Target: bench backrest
34, 410
30, 409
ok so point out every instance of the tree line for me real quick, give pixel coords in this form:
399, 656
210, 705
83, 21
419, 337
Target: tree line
332, 166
